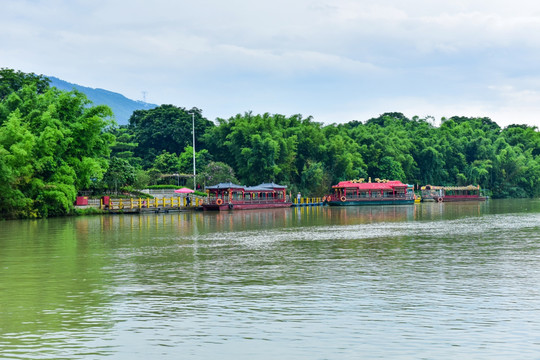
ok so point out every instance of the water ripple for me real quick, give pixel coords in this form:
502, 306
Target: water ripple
326, 284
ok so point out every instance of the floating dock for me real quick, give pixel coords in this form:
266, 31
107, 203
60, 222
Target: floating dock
309, 202
156, 205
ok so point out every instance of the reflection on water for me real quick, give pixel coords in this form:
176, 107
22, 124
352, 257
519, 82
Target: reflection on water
423, 281
51, 295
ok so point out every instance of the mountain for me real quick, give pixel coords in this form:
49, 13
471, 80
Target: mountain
121, 106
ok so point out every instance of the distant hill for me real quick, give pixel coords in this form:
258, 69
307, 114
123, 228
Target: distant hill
121, 106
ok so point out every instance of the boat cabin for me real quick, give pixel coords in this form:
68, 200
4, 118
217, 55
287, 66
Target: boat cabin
357, 192
233, 196
451, 193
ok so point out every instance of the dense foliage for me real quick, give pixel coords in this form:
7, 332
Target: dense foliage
165, 128
53, 144
309, 156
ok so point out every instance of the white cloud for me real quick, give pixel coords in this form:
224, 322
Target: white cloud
337, 60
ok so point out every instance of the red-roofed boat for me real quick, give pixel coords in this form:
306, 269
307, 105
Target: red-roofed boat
382, 192
229, 196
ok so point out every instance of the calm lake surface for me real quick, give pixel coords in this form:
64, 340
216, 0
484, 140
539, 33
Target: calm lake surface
423, 281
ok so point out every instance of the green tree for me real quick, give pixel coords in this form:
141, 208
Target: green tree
52, 144
185, 160
166, 163
16, 170
315, 180
260, 148
166, 128
119, 174
391, 169
12, 81
217, 172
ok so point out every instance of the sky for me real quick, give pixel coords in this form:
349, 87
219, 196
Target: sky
334, 60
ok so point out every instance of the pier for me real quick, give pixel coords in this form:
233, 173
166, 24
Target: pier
316, 201
157, 205
149, 205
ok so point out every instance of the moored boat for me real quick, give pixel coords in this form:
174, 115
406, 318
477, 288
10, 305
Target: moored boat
451, 193
382, 192
229, 196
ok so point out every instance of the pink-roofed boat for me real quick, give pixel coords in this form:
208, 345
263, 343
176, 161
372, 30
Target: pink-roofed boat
229, 196
382, 192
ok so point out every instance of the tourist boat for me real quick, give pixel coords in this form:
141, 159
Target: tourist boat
229, 196
451, 193
381, 192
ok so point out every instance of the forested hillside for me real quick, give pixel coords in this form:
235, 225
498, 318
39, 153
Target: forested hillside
54, 145
121, 106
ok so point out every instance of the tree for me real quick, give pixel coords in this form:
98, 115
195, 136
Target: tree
166, 163
52, 144
166, 128
261, 148
120, 173
12, 81
185, 160
315, 180
217, 172
391, 169
16, 170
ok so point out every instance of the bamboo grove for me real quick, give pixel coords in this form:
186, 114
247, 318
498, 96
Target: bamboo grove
55, 144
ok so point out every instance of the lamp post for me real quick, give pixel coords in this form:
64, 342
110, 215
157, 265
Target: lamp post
194, 172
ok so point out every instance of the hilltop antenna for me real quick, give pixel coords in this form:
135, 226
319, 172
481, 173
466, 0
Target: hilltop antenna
144, 96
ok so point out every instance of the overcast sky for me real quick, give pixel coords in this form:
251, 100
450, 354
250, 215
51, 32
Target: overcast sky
336, 60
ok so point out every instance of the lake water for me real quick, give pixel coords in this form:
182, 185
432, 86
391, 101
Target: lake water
423, 281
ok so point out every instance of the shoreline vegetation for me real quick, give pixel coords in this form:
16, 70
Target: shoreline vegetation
56, 145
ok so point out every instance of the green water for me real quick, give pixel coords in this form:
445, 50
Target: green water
433, 281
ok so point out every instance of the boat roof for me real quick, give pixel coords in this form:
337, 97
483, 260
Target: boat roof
272, 186
266, 187
261, 187
387, 185
228, 185
434, 187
